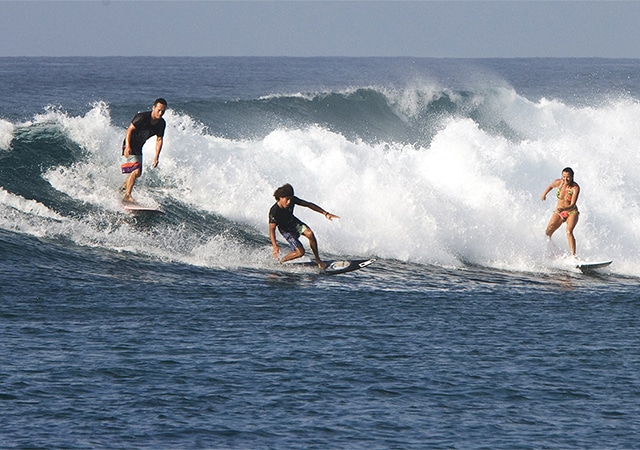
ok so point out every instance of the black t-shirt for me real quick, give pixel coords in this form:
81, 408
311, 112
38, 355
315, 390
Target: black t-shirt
144, 130
284, 218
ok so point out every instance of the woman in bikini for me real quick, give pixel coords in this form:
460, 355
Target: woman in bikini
566, 210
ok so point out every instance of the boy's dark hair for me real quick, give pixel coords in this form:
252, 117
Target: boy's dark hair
160, 100
283, 191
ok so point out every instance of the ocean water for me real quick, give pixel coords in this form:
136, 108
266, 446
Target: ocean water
471, 330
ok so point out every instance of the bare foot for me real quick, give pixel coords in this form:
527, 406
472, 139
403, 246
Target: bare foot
127, 198
321, 264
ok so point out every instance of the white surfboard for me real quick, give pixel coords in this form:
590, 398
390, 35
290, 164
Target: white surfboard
591, 266
137, 209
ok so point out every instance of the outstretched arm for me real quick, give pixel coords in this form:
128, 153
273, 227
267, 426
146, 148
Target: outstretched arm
549, 188
316, 208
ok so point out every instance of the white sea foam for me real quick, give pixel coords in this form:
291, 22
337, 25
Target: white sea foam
6, 134
471, 196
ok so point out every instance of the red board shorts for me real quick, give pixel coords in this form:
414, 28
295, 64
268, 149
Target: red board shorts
131, 163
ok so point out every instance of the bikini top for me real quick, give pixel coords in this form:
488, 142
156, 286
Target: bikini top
569, 193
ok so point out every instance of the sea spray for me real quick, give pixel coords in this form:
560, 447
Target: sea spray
467, 195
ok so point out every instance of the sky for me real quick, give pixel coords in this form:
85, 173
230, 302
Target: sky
441, 29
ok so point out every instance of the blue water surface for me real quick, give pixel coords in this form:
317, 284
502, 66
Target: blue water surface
119, 349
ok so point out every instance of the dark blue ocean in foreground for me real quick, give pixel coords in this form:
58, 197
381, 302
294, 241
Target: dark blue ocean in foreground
179, 331
116, 351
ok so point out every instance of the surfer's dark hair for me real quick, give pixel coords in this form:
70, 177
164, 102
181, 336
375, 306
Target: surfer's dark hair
569, 170
283, 191
160, 100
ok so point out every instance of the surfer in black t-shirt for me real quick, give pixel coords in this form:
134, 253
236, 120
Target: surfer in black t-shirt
142, 127
281, 216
